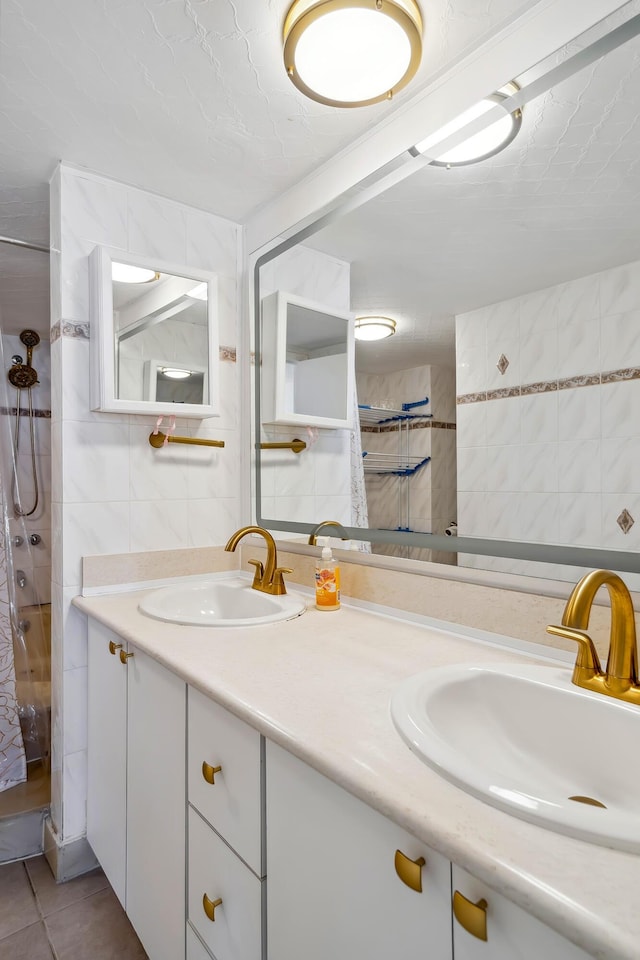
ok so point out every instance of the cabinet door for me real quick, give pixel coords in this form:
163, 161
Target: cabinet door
332, 887
107, 755
512, 934
156, 817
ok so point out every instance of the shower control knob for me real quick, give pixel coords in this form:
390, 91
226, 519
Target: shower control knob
21, 578
35, 539
17, 541
24, 626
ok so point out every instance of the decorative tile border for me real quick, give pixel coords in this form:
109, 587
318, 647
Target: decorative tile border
549, 386
629, 373
588, 380
545, 386
410, 425
502, 392
11, 412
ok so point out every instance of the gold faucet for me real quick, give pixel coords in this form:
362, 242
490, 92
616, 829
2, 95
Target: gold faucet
267, 578
325, 523
620, 680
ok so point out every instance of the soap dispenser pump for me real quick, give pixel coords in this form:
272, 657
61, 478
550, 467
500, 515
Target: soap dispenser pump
327, 578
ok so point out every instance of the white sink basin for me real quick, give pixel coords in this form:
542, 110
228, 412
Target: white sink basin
231, 602
526, 740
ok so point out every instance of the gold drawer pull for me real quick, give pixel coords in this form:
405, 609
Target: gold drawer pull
113, 647
410, 871
471, 916
209, 772
210, 907
124, 656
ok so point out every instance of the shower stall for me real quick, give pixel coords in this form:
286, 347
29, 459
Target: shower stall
25, 592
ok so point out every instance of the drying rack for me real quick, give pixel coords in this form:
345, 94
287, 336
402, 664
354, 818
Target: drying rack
400, 463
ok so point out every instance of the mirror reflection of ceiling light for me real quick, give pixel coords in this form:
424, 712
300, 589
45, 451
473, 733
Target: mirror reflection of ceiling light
480, 146
199, 292
175, 373
352, 53
374, 328
127, 273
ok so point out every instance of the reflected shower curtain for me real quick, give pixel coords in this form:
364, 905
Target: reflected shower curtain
13, 763
359, 512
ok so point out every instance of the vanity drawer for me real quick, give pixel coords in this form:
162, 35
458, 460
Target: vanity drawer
235, 933
231, 803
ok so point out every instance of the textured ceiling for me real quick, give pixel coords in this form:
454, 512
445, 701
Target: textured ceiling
562, 201
186, 98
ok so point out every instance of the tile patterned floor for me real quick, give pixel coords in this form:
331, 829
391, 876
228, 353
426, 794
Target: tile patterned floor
78, 920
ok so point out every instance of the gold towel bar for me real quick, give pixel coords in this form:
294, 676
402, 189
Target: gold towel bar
296, 445
157, 440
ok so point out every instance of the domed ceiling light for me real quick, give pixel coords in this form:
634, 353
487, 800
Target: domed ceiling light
352, 53
127, 273
479, 146
374, 328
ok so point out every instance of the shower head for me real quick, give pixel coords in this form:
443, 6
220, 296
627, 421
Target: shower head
22, 375
30, 338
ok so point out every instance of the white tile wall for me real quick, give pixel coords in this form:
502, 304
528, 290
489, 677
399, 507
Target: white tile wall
559, 466
111, 492
306, 487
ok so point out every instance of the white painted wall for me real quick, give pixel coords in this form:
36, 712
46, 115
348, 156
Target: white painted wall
111, 492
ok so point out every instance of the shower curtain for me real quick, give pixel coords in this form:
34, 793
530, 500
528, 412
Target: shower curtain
13, 763
359, 513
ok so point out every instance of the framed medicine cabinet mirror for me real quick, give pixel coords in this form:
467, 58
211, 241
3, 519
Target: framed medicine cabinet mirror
515, 285
307, 363
154, 342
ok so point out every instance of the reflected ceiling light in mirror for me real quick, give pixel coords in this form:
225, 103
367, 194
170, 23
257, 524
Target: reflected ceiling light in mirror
352, 53
200, 292
480, 146
175, 373
374, 328
127, 273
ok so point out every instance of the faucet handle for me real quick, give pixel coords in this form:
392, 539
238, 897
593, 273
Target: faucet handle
279, 587
587, 661
258, 575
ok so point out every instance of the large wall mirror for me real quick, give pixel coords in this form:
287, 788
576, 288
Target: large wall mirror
515, 287
155, 347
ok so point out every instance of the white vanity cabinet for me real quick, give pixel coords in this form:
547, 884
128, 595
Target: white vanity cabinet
136, 787
333, 890
511, 933
225, 836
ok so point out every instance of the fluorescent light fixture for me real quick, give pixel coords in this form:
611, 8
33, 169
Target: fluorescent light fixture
352, 53
199, 292
175, 373
127, 273
374, 328
480, 146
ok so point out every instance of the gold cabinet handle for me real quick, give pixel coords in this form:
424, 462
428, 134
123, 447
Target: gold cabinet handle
113, 647
124, 656
410, 871
210, 907
471, 916
209, 772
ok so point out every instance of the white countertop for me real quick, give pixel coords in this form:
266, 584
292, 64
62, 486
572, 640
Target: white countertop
320, 687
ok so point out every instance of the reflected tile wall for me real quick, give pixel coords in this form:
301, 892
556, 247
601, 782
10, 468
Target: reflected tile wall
556, 459
111, 492
425, 501
315, 484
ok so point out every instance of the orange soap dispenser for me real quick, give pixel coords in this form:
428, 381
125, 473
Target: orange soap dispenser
327, 579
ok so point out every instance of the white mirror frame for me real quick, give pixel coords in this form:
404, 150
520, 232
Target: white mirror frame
103, 360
